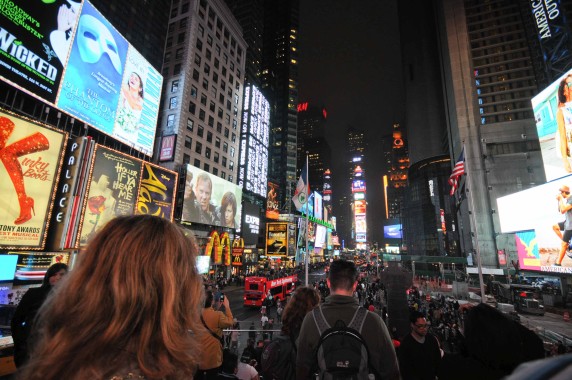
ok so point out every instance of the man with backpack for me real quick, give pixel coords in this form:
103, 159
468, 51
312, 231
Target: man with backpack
339, 339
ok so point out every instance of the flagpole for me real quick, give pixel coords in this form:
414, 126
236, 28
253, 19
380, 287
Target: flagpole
475, 234
307, 201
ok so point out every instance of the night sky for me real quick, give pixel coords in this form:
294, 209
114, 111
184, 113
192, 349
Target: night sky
349, 61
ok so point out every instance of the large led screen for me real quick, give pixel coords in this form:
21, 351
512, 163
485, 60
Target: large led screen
67, 54
361, 224
211, 200
392, 232
253, 163
320, 236
35, 38
251, 226
318, 208
359, 207
553, 114
30, 161
8, 267
272, 206
532, 214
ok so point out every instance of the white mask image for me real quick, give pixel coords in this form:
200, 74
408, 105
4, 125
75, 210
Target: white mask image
94, 39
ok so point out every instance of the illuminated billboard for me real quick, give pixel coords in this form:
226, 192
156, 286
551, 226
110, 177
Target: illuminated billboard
318, 208
30, 163
272, 206
553, 114
211, 200
251, 225
156, 191
254, 137
392, 232
67, 54
359, 207
112, 190
277, 239
532, 214
361, 225
358, 185
320, 239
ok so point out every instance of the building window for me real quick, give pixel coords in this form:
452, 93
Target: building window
198, 60
196, 75
184, 8
233, 139
231, 151
203, 99
215, 78
224, 162
209, 136
169, 42
181, 38
235, 112
211, 121
192, 107
197, 163
184, 21
230, 177
209, 40
216, 157
170, 120
221, 98
215, 171
173, 102
190, 124
234, 124
188, 142
175, 85
206, 167
212, 106
179, 53
207, 68
222, 84
225, 147
201, 30
217, 142
206, 84
231, 165
228, 105
199, 45
167, 57
208, 54
222, 175
194, 92
218, 127
202, 115
186, 159
198, 148
208, 152
177, 69
226, 132
200, 131
220, 113
216, 63
227, 119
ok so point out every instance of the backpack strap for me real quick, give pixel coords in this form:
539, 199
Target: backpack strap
358, 319
320, 320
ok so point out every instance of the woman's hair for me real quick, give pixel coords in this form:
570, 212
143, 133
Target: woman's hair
227, 199
561, 96
141, 92
301, 303
128, 304
51, 272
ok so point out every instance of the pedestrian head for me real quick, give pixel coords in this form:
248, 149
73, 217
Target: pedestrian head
342, 276
54, 274
302, 302
419, 326
129, 303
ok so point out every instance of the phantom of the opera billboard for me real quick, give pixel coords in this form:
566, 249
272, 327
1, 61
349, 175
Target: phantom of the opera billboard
532, 215
30, 162
553, 114
67, 54
211, 200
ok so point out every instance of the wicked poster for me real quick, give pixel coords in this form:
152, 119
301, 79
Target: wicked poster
156, 192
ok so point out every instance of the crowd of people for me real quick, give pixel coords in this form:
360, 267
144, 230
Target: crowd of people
135, 307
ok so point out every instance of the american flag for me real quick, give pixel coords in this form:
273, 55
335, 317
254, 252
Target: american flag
458, 171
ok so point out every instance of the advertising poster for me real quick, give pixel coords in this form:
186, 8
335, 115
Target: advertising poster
359, 207
92, 83
112, 190
272, 206
532, 214
276, 239
35, 38
30, 161
156, 192
251, 226
211, 200
138, 108
291, 239
553, 114
31, 267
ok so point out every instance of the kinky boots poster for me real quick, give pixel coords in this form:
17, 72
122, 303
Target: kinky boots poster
112, 190
30, 160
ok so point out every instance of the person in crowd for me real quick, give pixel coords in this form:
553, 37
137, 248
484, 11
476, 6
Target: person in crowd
564, 207
341, 305
229, 366
563, 136
227, 210
303, 300
249, 353
252, 332
126, 309
23, 319
234, 336
493, 346
246, 372
214, 321
419, 352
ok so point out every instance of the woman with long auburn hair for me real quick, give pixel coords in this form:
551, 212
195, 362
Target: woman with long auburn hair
126, 309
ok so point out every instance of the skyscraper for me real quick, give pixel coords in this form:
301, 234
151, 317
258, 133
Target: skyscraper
280, 76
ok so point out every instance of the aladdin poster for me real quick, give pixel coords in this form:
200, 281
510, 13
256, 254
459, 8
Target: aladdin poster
112, 190
157, 192
92, 82
35, 41
30, 161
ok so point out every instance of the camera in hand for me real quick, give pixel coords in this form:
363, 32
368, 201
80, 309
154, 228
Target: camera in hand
221, 297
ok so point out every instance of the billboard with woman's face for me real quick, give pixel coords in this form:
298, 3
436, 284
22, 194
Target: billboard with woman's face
30, 161
553, 114
211, 200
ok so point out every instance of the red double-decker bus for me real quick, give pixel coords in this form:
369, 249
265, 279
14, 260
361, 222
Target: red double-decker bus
256, 289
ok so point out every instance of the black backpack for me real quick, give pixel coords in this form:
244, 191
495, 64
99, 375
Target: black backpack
278, 360
342, 352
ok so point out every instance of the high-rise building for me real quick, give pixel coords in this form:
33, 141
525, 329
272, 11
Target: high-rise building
489, 79
203, 88
312, 142
280, 76
397, 178
143, 23
319, 159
